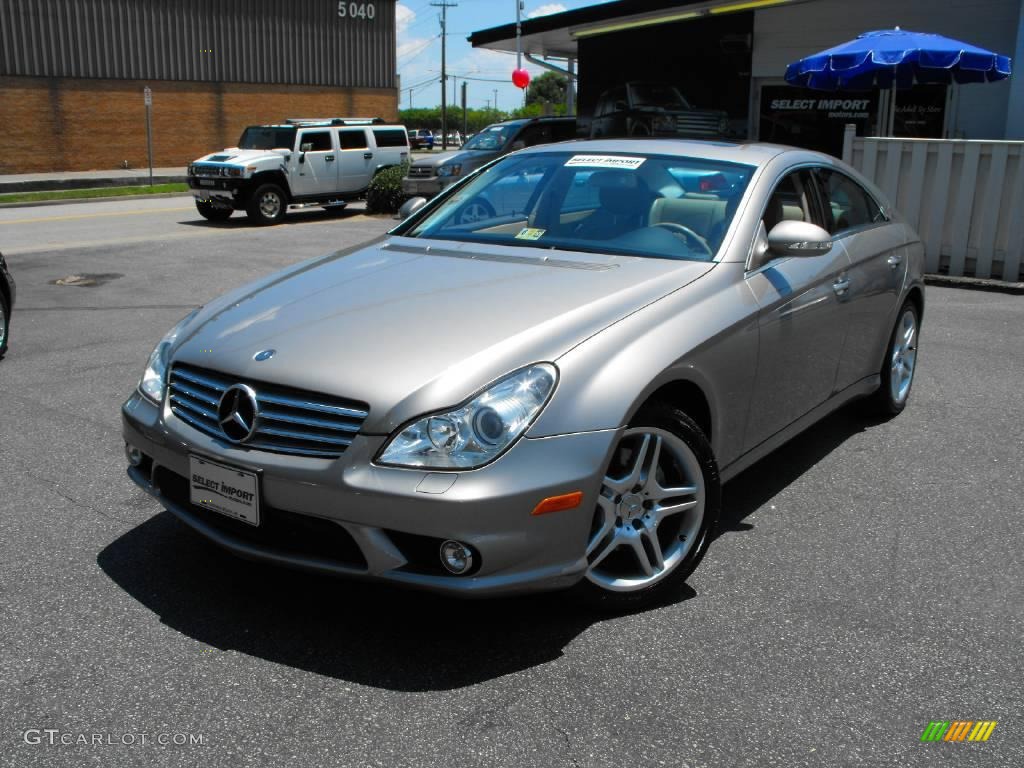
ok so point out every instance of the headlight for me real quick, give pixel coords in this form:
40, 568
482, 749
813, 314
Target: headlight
155, 377
449, 170
478, 431
723, 125
234, 171
664, 123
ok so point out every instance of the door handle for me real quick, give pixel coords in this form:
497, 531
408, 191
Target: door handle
367, 155
329, 158
894, 260
841, 285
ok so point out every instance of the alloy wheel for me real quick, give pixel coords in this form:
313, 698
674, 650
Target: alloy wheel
473, 213
904, 356
270, 204
649, 512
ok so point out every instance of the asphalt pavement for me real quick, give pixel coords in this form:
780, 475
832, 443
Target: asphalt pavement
868, 577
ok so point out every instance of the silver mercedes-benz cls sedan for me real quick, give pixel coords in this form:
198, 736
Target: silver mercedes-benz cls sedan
546, 397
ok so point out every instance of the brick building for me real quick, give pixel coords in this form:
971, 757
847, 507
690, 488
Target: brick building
72, 74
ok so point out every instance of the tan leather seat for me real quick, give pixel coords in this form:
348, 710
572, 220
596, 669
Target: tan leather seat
701, 214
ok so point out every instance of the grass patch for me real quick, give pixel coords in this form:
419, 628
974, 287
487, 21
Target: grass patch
84, 194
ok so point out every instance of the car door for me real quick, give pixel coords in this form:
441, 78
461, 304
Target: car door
801, 320
878, 257
357, 159
317, 163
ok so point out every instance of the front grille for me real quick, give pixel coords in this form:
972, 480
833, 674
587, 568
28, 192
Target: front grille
209, 170
284, 531
698, 124
421, 172
289, 420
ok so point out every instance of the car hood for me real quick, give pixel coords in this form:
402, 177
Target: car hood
473, 157
237, 156
410, 326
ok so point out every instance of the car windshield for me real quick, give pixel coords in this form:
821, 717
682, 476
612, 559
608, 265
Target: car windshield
656, 95
638, 205
492, 137
264, 137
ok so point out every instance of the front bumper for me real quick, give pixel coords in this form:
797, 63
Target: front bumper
391, 520
427, 186
228, 192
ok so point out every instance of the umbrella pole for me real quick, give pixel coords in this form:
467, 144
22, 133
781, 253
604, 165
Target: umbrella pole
892, 111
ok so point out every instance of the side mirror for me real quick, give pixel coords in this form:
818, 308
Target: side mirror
798, 238
306, 147
621, 106
410, 206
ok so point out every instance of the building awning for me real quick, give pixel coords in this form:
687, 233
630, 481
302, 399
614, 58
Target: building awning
557, 35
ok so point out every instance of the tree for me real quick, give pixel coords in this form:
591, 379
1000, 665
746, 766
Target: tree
549, 86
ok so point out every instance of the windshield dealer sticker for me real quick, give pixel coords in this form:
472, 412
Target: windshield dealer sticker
529, 233
605, 161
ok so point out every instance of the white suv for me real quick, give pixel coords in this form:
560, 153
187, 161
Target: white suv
324, 162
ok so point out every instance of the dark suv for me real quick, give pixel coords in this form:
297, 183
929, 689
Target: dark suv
430, 175
651, 109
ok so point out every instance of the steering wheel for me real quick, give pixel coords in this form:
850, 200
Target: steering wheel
687, 234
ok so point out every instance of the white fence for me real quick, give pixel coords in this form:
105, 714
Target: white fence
965, 198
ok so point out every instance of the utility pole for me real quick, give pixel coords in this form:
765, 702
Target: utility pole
444, 6
465, 114
495, 103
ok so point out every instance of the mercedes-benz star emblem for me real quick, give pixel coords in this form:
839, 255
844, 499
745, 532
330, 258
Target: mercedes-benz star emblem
266, 354
237, 413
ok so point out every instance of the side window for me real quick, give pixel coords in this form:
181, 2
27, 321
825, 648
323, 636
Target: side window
353, 139
849, 205
389, 137
533, 135
581, 195
791, 201
320, 141
563, 131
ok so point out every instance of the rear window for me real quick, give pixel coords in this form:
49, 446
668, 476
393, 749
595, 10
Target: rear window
390, 137
267, 137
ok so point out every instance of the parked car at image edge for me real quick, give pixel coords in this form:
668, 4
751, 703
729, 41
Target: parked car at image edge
421, 139
428, 176
7, 296
642, 109
327, 162
547, 398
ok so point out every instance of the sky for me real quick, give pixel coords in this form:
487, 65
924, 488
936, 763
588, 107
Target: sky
419, 49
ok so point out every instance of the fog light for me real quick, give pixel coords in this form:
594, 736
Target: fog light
134, 455
456, 557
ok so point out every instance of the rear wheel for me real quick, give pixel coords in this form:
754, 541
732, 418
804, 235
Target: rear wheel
899, 364
213, 212
658, 505
267, 205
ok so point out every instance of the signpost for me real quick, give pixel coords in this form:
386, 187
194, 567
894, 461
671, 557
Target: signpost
147, 97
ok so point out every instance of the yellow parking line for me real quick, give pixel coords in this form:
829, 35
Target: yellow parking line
92, 215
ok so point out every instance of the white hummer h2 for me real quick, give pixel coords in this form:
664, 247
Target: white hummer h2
326, 162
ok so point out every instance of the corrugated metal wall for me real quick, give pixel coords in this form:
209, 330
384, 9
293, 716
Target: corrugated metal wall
295, 42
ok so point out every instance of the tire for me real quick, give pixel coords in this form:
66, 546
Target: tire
899, 364
623, 570
5, 324
262, 208
213, 212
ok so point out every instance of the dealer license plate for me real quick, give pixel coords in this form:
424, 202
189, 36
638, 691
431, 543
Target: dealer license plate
227, 490
206, 182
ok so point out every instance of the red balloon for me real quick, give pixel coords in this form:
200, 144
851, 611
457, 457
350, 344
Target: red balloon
520, 78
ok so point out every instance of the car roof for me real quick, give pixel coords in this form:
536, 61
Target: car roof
749, 153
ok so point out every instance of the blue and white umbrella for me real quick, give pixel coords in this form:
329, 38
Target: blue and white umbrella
891, 58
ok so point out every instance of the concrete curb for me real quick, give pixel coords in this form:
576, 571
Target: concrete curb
33, 204
975, 283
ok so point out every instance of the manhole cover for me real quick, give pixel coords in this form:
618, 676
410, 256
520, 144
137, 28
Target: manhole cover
87, 280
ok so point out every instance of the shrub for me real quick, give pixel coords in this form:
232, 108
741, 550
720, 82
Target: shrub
384, 195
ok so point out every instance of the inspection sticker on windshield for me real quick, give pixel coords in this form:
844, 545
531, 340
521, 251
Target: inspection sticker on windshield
529, 233
605, 161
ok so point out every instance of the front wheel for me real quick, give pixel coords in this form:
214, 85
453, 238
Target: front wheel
212, 212
657, 507
899, 364
5, 316
267, 205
